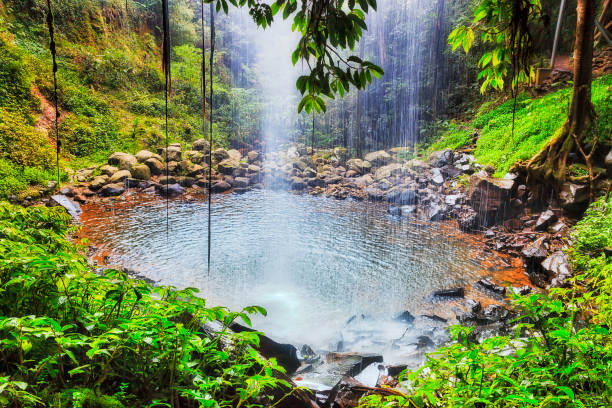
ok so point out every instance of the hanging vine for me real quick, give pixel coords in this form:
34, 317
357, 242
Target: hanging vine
166, 51
52, 48
210, 136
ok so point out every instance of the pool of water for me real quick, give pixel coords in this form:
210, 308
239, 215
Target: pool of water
312, 262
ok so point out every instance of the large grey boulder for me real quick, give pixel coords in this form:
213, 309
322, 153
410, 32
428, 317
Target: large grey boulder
141, 172
234, 155
219, 155
574, 197
201, 145
124, 161
393, 169
120, 176
558, 267
173, 153
490, 197
378, 158
360, 166
441, 158
155, 166
98, 182
228, 166
108, 170
143, 155
112, 190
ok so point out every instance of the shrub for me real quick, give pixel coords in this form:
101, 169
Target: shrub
15, 81
84, 136
21, 143
69, 336
16, 180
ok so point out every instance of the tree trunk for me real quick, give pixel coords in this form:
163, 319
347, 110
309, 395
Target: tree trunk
551, 162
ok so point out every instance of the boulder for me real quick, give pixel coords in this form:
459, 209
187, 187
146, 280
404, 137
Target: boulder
132, 182
108, 170
285, 354
490, 197
143, 155
309, 173
375, 194
450, 172
219, 155
252, 156
220, 187
360, 166
495, 313
173, 153
112, 190
195, 170
401, 196
120, 176
228, 166
300, 164
297, 183
84, 174
234, 155
167, 180
536, 250
489, 285
417, 165
124, 161
71, 207
364, 181
186, 181
98, 182
201, 145
193, 156
557, 266
169, 190
441, 158
405, 317
316, 182
546, 219
173, 167
240, 182
141, 172
436, 211
378, 158
253, 168
155, 166
393, 169
574, 197
436, 177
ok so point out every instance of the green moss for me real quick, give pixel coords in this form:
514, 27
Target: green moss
455, 136
537, 120
15, 80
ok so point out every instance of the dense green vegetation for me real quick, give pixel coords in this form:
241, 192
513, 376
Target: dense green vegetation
70, 337
537, 119
559, 356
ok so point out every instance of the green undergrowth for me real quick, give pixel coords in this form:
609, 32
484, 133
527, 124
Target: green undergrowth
536, 121
73, 338
559, 355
